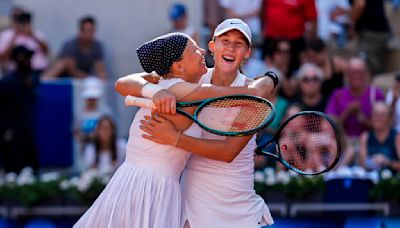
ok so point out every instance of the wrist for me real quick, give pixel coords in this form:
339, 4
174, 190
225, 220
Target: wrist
273, 76
150, 89
178, 136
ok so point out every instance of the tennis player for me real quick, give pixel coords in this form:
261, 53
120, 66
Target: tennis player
218, 180
145, 191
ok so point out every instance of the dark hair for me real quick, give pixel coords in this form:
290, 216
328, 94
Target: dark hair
23, 18
272, 47
113, 145
316, 45
86, 19
397, 77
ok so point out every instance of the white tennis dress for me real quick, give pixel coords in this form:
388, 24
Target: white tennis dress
144, 192
219, 194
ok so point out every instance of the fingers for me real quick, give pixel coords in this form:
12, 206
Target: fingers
165, 102
149, 137
155, 118
146, 128
159, 118
173, 107
150, 122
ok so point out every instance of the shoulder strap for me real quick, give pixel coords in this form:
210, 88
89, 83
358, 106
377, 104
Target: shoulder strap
372, 94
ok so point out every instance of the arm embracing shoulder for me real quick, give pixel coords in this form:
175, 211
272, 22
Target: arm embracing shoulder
188, 91
133, 84
222, 150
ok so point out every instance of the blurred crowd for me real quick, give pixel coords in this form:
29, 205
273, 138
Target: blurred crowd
327, 54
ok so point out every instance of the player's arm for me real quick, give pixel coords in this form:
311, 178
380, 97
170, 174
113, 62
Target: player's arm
162, 131
131, 84
364, 150
137, 85
261, 87
134, 84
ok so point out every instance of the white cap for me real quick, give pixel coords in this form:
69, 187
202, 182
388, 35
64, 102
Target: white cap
233, 23
92, 88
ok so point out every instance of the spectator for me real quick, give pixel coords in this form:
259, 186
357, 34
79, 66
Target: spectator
276, 59
351, 105
18, 101
332, 20
380, 147
373, 31
86, 121
22, 33
179, 18
213, 15
332, 66
106, 152
265, 135
248, 11
310, 81
81, 56
392, 99
289, 20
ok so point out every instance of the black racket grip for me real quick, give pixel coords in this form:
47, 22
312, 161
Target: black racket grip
273, 76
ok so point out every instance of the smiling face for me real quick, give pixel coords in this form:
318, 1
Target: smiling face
192, 64
310, 83
380, 116
229, 50
357, 74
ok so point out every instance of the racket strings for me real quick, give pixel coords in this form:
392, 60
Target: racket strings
235, 115
310, 143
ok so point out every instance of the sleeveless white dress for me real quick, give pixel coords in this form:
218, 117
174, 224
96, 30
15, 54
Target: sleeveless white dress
219, 194
144, 192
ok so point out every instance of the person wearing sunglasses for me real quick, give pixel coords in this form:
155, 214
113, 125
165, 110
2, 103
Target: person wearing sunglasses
310, 78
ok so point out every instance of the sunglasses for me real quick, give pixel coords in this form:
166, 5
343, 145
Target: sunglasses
310, 79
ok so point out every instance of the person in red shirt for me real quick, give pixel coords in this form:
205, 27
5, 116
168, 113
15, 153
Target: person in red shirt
293, 20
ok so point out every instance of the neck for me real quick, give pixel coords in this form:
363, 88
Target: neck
357, 91
105, 144
220, 78
380, 133
84, 43
312, 99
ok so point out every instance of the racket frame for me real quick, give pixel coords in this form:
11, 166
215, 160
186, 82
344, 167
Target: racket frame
277, 155
203, 103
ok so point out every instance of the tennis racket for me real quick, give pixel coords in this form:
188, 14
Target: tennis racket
307, 143
234, 115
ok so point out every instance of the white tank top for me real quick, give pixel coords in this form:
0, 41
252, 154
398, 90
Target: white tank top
221, 194
163, 159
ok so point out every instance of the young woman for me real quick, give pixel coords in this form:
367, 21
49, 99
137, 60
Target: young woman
106, 152
218, 180
145, 191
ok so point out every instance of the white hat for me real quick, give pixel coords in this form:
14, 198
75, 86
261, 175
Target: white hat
233, 23
92, 88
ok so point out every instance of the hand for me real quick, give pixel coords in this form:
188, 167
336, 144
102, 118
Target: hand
337, 12
353, 107
160, 130
152, 78
380, 160
165, 102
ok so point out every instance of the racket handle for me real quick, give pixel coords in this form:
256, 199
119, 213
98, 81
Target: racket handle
138, 101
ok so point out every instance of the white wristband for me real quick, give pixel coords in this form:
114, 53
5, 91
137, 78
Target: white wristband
149, 89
